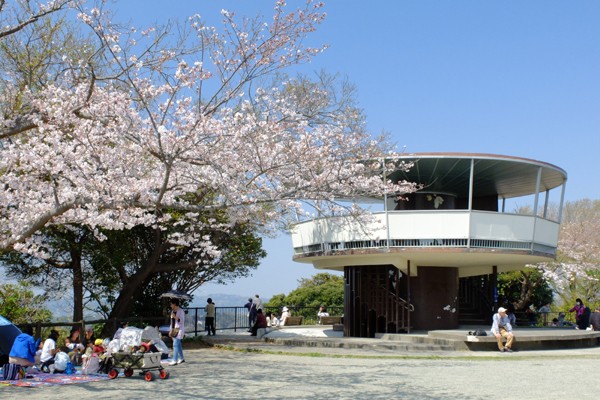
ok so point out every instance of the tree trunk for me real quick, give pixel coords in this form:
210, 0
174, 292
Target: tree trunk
133, 285
77, 285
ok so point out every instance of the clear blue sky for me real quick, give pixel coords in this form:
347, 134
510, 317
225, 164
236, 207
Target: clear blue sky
505, 77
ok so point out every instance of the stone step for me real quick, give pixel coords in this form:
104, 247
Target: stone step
416, 339
356, 343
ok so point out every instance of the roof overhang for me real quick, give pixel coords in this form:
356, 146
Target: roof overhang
493, 175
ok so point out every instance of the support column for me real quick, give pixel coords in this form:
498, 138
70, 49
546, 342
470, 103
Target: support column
408, 299
494, 285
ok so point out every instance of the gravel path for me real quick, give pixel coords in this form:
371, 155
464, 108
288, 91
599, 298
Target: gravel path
224, 374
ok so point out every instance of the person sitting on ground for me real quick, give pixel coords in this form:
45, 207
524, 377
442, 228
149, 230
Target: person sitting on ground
284, 316
561, 320
595, 320
501, 328
272, 319
88, 338
261, 322
24, 348
49, 350
75, 348
98, 348
322, 313
61, 361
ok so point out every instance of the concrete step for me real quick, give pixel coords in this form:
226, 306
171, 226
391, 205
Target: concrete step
447, 344
357, 343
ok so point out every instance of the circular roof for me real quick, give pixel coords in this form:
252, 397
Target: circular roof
494, 175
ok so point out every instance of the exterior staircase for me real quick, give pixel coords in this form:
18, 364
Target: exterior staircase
475, 306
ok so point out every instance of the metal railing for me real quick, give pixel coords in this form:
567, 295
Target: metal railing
236, 318
551, 319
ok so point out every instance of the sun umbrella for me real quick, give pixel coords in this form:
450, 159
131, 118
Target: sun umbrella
8, 333
176, 294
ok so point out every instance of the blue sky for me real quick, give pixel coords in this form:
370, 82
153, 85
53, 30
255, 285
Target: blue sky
504, 77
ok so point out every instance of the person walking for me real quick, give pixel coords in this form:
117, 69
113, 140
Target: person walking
210, 317
177, 331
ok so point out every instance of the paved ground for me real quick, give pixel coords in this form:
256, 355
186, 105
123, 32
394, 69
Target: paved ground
258, 370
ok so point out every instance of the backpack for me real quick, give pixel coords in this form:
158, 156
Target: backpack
478, 332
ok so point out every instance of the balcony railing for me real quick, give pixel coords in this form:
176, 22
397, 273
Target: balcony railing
447, 228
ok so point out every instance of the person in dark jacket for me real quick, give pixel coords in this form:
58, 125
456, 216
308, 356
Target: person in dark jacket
24, 348
595, 320
261, 322
251, 313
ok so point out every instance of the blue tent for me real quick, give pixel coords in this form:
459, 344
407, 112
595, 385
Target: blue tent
8, 333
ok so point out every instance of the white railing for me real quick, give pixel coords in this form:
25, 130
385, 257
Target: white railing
430, 228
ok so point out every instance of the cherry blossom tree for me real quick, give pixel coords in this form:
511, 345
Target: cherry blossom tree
148, 128
576, 271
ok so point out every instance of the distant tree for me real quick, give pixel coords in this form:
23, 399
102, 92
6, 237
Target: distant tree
523, 288
276, 301
62, 272
20, 305
321, 289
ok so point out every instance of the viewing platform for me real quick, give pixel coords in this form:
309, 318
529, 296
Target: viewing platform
444, 341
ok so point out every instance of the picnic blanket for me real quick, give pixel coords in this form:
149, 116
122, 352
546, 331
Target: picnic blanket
42, 379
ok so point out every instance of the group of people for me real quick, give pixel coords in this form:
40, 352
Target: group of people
26, 350
253, 305
503, 322
269, 319
78, 349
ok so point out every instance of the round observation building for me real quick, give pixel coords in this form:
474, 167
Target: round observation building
430, 260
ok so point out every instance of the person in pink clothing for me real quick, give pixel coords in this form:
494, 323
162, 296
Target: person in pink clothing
579, 308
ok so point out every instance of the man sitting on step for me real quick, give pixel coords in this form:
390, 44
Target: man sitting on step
502, 329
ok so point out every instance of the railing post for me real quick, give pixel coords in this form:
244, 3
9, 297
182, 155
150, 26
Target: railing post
235, 319
196, 322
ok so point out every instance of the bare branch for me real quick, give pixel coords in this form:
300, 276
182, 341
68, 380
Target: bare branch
44, 11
